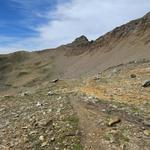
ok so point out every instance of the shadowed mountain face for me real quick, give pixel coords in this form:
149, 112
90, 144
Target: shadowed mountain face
82, 57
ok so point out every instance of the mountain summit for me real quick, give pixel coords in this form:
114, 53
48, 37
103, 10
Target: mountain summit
80, 41
128, 42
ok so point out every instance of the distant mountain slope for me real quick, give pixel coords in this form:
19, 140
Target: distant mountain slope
82, 57
123, 44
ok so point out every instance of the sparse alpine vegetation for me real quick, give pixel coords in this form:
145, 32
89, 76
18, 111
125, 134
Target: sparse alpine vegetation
86, 95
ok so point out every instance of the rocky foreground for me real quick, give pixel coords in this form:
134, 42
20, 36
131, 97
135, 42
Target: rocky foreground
110, 111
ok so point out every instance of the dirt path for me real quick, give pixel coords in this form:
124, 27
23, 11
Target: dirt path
89, 119
97, 135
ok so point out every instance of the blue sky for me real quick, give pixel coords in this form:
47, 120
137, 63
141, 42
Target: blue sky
19, 17
39, 24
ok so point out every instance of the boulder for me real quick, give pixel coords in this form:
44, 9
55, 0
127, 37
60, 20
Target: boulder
133, 75
50, 93
55, 80
113, 121
146, 84
25, 94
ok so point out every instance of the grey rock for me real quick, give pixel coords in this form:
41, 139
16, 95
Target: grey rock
44, 144
52, 139
146, 123
38, 104
133, 75
146, 132
50, 93
146, 84
113, 121
25, 94
41, 138
55, 80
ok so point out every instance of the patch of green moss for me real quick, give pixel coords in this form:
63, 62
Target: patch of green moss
78, 147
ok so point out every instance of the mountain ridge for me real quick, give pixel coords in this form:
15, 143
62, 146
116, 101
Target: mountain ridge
82, 57
82, 95
123, 29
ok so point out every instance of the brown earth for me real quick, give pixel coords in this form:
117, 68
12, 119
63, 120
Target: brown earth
109, 111
97, 101
129, 42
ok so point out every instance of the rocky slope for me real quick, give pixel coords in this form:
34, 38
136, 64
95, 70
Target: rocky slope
84, 95
83, 57
103, 112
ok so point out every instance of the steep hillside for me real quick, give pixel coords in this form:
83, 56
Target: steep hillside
123, 44
86, 95
103, 112
81, 57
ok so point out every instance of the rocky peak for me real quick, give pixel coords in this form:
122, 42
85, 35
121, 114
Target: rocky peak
80, 41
